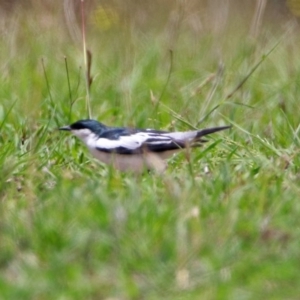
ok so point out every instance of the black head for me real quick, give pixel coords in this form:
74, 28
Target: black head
87, 125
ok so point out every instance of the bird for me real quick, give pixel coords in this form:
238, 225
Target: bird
135, 150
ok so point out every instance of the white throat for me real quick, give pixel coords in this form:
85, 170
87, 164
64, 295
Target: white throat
86, 135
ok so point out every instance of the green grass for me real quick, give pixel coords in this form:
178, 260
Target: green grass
71, 228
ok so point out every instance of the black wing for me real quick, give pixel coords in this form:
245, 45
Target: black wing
136, 141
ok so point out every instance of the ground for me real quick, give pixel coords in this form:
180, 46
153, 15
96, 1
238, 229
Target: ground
221, 223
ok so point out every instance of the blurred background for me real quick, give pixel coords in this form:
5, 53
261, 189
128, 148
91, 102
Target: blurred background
210, 28
130, 38
223, 223
198, 15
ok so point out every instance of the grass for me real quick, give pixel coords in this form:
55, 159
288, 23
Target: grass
222, 223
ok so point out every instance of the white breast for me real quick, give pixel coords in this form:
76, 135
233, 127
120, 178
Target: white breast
136, 163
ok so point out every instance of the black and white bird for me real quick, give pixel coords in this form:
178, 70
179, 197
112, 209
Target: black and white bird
129, 149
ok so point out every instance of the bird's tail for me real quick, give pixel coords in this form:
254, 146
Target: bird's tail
207, 131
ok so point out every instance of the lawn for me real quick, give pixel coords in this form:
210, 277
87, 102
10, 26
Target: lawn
221, 223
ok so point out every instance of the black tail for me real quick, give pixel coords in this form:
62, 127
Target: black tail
207, 131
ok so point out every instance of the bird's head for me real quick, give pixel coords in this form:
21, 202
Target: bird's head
85, 128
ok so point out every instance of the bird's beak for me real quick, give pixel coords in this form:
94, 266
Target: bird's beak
66, 128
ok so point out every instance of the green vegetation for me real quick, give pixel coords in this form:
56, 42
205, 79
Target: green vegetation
222, 223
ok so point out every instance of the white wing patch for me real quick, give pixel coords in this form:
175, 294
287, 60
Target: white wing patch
136, 141
132, 142
186, 136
